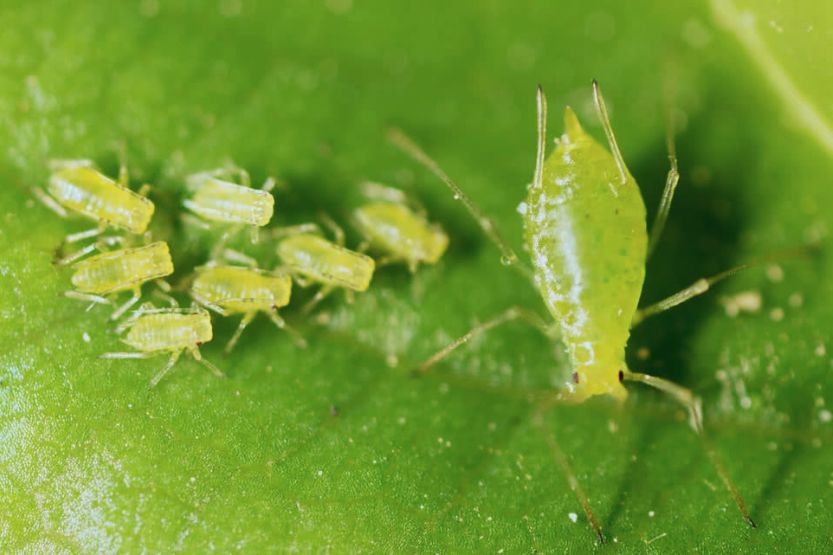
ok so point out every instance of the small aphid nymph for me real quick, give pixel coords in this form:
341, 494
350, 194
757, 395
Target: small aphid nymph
112, 272
216, 198
312, 259
396, 230
240, 290
152, 332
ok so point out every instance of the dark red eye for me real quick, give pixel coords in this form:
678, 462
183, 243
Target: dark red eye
575, 377
621, 376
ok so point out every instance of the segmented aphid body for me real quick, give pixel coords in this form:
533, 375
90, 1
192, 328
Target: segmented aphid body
399, 233
221, 201
239, 290
169, 330
318, 260
123, 269
83, 189
586, 233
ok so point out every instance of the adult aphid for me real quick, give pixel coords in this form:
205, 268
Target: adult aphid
584, 224
77, 185
397, 228
112, 272
154, 331
310, 258
231, 290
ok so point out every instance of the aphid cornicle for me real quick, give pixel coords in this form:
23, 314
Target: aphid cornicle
585, 230
79, 186
152, 331
240, 290
401, 234
312, 259
120, 270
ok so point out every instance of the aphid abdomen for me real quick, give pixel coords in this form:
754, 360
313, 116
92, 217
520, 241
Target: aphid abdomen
95, 195
123, 269
396, 230
327, 263
238, 289
221, 201
169, 331
585, 230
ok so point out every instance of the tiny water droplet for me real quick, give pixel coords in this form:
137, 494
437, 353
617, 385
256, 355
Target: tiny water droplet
456, 196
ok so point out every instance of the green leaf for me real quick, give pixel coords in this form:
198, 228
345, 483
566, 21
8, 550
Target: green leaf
332, 448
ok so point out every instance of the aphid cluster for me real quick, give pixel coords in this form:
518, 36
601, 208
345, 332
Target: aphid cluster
231, 282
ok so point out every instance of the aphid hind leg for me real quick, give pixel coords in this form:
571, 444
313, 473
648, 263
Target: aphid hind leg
244, 323
572, 480
294, 335
335, 229
81, 235
693, 404
409, 147
137, 294
509, 315
322, 294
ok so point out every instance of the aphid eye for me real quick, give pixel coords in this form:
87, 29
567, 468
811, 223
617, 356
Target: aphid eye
621, 376
575, 377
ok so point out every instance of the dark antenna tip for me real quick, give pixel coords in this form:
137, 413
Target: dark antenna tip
751, 522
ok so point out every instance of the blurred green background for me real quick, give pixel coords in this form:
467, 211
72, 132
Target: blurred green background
333, 449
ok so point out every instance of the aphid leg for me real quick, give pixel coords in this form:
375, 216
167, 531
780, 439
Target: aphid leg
195, 352
57, 165
144, 189
165, 369
572, 480
299, 229
334, 228
81, 235
349, 296
508, 256
131, 354
190, 219
163, 288
247, 319
220, 246
541, 151
137, 294
49, 202
319, 296
211, 306
692, 403
138, 313
601, 110
254, 234
86, 297
509, 315
124, 174
232, 255
269, 184
294, 335
695, 289
77, 255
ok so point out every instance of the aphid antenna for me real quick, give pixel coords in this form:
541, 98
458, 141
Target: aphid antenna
693, 404
309, 227
601, 110
508, 257
334, 228
541, 151
49, 202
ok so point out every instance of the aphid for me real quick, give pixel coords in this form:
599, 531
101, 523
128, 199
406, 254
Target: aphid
312, 259
400, 233
219, 200
79, 186
239, 290
152, 331
121, 270
585, 230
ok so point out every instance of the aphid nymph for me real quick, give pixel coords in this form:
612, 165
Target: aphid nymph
312, 259
585, 231
398, 230
120, 270
152, 331
77, 185
240, 290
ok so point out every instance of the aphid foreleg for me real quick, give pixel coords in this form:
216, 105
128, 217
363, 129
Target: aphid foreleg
294, 335
509, 315
572, 480
49, 202
137, 294
165, 369
319, 296
508, 256
247, 319
195, 352
694, 406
